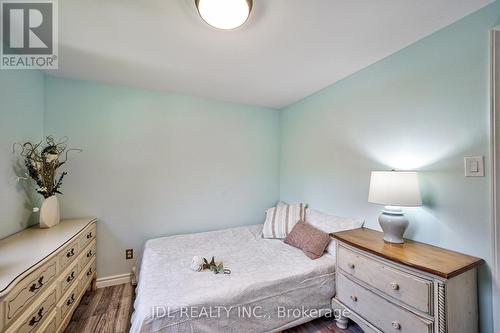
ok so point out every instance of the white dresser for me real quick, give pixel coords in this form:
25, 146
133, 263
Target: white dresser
410, 288
43, 275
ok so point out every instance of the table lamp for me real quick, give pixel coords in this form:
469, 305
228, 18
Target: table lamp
394, 189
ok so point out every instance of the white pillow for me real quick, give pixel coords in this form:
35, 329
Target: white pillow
281, 219
331, 223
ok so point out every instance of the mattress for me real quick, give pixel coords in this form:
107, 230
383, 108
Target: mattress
272, 286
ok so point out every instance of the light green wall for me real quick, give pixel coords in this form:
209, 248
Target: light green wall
423, 108
159, 164
21, 118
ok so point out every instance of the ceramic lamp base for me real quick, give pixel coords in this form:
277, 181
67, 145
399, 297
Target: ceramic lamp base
394, 224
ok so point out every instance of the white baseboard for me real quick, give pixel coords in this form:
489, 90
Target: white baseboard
113, 280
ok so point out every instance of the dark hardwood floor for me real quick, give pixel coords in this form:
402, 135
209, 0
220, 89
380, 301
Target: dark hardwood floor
323, 325
108, 310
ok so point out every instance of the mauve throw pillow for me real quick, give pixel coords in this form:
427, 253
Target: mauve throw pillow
310, 240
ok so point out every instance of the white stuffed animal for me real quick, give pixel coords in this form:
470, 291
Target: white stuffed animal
197, 263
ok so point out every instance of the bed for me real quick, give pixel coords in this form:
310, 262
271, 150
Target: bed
273, 286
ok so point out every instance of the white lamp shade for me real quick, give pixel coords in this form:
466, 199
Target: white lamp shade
395, 188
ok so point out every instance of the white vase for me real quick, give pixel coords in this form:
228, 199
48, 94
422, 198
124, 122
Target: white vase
49, 212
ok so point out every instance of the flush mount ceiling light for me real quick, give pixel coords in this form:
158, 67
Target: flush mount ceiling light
224, 14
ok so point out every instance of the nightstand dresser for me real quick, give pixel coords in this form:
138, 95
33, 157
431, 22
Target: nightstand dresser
410, 288
43, 275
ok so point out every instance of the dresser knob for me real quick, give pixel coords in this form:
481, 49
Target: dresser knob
351, 266
70, 277
34, 287
70, 253
394, 286
396, 325
70, 300
35, 319
354, 298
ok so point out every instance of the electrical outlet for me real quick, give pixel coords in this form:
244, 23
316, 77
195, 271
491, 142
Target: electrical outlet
129, 254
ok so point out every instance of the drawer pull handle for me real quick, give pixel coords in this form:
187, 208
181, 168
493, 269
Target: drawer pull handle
34, 287
394, 286
71, 277
89, 235
70, 253
396, 325
34, 320
351, 266
71, 300
89, 254
89, 272
354, 298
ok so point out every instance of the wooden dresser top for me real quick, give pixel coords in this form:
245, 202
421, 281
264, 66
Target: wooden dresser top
424, 257
20, 252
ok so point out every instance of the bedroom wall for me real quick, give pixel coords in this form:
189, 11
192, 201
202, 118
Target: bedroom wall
423, 108
21, 119
159, 164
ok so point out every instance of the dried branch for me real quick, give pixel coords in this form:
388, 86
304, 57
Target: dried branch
42, 160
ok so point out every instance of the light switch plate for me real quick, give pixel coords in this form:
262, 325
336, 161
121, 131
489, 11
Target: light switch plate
474, 166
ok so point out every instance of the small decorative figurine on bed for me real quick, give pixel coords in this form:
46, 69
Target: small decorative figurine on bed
198, 264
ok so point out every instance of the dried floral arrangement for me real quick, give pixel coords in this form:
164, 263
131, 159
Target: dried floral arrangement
199, 264
42, 160
216, 268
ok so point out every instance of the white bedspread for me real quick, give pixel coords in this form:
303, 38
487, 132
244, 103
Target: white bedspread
271, 283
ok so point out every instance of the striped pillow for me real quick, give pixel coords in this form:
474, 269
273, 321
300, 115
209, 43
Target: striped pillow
281, 219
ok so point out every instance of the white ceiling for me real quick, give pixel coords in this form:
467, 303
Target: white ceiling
287, 50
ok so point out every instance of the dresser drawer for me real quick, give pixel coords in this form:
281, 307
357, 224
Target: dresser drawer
88, 272
67, 301
35, 320
50, 325
87, 275
28, 289
87, 236
383, 314
412, 290
68, 254
88, 254
69, 277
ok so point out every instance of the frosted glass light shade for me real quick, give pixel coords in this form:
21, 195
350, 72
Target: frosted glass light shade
224, 14
395, 188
